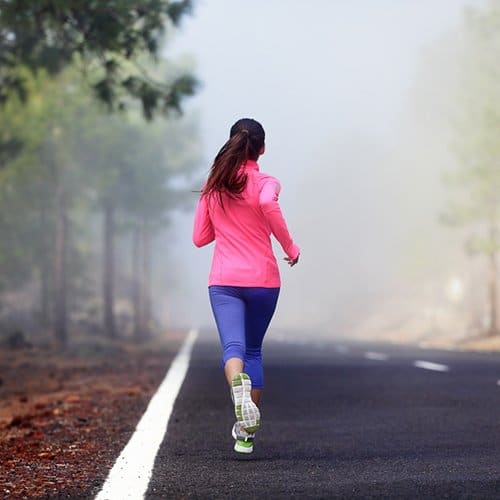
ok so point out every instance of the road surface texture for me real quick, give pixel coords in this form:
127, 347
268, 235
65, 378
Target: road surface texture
339, 420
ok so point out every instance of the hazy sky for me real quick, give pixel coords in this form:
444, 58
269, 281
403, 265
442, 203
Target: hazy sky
329, 80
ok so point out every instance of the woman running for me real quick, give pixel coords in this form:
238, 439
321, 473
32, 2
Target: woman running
239, 209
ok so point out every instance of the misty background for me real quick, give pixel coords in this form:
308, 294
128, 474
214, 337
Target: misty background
382, 122
352, 96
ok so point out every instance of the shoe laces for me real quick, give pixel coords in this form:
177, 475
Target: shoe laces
242, 434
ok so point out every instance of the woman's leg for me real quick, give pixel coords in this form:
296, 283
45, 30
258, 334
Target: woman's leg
256, 396
232, 367
229, 312
260, 307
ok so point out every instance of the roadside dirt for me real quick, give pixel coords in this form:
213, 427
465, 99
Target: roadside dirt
65, 416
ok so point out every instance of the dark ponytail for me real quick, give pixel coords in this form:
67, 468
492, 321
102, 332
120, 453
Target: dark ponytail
246, 140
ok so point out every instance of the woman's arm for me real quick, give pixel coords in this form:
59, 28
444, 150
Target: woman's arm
203, 231
268, 201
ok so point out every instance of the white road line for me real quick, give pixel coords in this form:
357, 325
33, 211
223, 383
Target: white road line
427, 365
498, 382
130, 476
377, 356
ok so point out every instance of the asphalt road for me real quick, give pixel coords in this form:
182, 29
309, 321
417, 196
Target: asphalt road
339, 420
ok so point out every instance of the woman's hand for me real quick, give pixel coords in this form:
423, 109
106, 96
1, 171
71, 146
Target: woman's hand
292, 262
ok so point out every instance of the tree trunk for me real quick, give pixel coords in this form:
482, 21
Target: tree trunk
141, 286
109, 271
60, 278
45, 295
45, 273
492, 292
137, 282
493, 330
146, 279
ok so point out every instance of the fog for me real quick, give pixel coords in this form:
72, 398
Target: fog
356, 137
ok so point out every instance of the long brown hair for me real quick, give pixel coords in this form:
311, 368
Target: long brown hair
246, 140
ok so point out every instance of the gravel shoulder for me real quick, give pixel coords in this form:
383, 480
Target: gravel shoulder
65, 416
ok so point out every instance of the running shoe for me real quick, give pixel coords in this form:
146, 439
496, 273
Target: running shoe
243, 440
245, 409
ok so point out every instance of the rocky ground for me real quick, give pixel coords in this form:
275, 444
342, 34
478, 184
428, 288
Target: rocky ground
65, 415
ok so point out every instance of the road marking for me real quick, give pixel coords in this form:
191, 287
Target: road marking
498, 382
427, 365
129, 478
342, 349
377, 356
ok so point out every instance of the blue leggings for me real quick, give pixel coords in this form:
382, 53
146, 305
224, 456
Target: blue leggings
242, 315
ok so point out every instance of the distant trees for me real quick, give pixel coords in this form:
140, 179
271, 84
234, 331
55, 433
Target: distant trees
476, 121
130, 168
77, 165
65, 163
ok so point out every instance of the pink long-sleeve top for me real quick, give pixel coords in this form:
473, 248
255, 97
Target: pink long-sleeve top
241, 228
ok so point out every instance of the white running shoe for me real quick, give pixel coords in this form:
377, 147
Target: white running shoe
243, 440
245, 409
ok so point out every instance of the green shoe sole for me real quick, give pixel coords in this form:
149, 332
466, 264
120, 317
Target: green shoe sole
243, 446
245, 410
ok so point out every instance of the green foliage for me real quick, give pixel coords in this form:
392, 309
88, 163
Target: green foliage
106, 40
65, 147
477, 129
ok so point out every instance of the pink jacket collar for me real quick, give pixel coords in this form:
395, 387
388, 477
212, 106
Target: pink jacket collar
252, 165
